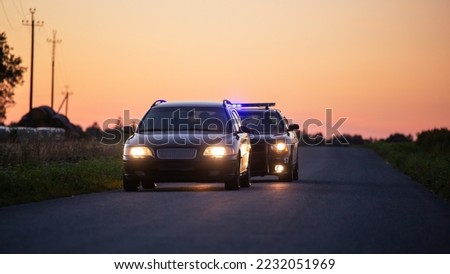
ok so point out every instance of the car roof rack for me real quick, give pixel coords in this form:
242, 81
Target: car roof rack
157, 102
254, 105
226, 102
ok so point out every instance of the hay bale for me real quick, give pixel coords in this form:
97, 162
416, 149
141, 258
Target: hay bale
58, 134
4, 134
50, 134
22, 134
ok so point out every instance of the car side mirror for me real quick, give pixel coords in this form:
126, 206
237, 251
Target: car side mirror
294, 127
128, 130
245, 129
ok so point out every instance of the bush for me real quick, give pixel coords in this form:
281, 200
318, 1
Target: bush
437, 140
399, 138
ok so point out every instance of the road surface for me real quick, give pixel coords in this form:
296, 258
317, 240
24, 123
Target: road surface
348, 200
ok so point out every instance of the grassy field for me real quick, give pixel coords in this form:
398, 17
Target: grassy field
38, 171
430, 167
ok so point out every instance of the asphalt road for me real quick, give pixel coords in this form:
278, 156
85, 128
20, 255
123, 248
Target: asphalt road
348, 200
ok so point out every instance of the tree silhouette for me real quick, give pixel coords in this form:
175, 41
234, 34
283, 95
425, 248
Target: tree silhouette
399, 138
437, 140
11, 75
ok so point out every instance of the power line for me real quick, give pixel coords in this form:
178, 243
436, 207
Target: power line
32, 24
7, 18
21, 12
53, 41
21, 7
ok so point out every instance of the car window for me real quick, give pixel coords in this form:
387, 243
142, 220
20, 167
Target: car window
185, 119
263, 122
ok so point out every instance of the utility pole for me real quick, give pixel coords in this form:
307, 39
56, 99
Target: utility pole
32, 24
53, 41
65, 100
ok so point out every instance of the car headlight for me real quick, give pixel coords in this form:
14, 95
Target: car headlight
280, 147
137, 152
218, 151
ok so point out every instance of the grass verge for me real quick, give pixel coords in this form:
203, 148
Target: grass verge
31, 183
431, 168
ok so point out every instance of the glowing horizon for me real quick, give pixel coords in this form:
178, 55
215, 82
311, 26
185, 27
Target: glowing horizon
383, 65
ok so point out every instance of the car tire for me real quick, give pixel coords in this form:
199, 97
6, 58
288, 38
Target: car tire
146, 184
130, 185
234, 182
246, 178
288, 177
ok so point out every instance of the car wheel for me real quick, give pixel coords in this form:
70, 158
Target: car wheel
234, 182
245, 179
288, 177
146, 184
130, 185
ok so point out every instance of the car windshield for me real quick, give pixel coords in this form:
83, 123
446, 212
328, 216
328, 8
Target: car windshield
263, 122
203, 119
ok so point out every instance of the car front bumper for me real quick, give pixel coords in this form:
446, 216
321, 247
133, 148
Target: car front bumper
197, 170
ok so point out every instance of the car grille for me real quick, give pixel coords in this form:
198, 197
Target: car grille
259, 148
177, 153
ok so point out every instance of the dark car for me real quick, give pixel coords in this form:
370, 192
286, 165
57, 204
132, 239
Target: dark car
187, 142
274, 141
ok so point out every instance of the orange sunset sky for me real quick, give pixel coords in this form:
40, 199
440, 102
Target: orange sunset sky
383, 64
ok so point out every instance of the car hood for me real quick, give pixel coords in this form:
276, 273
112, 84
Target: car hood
162, 139
269, 138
